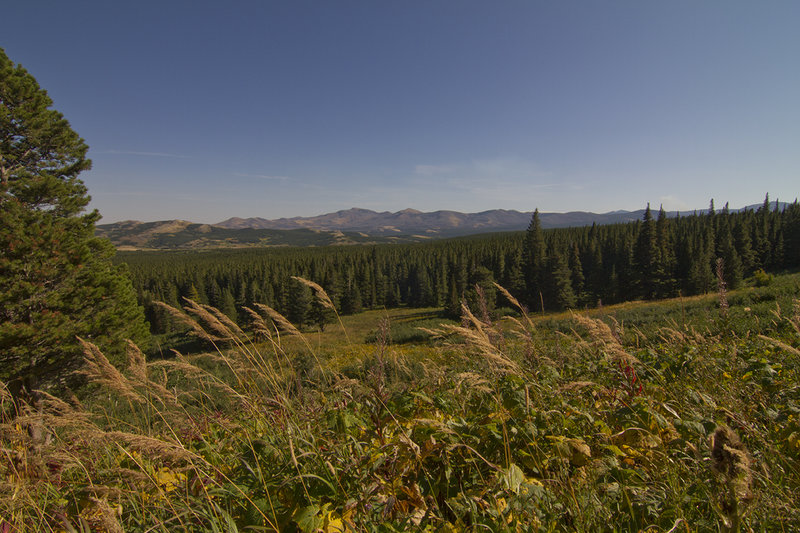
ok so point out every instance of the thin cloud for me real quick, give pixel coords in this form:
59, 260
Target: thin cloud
262, 176
431, 170
145, 154
127, 193
487, 183
673, 203
499, 168
479, 185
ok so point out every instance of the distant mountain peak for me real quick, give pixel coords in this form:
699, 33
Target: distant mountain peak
442, 223
350, 226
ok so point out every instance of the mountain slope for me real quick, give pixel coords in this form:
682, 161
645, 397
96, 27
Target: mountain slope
436, 223
183, 235
350, 226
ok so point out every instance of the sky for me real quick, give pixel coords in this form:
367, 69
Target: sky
202, 110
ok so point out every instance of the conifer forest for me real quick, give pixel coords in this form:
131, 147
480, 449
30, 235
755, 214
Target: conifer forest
546, 270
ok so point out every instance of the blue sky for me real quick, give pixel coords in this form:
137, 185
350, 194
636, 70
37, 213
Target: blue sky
207, 110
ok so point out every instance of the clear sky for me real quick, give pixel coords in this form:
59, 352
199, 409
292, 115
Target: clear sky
205, 110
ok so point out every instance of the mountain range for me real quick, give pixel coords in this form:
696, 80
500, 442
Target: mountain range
434, 224
351, 226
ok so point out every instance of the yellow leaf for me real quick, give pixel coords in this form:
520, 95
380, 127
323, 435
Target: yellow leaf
331, 524
501, 504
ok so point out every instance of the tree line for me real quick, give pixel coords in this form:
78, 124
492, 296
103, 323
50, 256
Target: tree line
549, 270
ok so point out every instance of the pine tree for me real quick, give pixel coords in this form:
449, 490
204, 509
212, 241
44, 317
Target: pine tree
57, 281
533, 261
761, 243
578, 279
452, 306
559, 283
701, 276
743, 243
228, 304
791, 239
646, 258
351, 296
665, 267
732, 264
596, 275
482, 294
298, 303
513, 279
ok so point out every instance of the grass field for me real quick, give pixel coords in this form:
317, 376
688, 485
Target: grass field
680, 415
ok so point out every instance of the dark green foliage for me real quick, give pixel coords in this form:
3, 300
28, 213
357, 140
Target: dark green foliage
550, 269
533, 261
578, 279
319, 315
298, 304
667, 261
558, 288
646, 258
351, 302
56, 280
762, 279
228, 304
481, 294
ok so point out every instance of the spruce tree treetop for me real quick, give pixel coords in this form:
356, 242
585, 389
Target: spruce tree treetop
56, 279
533, 258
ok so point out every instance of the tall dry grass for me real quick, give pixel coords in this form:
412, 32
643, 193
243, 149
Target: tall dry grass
512, 428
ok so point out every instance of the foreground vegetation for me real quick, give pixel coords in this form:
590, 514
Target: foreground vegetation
671, 416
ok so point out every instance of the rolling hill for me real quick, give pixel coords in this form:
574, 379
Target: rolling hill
183, 235
436, 223
350, 226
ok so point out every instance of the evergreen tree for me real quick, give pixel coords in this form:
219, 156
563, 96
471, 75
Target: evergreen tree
420, 292
578, 279
351, 296
596, 275
319, 314
482, 294
228, 304
559, 287
732, 264
701, 275
452, 307
667, 262
298, 303
791, 239
646, 258
743, 243
57, 281
761, 242
513, 279
533, 261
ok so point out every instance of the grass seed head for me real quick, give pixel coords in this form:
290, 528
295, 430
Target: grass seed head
100, 370
730, 459
319, 292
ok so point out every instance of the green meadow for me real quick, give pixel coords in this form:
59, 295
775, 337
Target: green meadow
678, 415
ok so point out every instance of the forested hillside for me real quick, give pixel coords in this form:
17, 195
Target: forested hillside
183, 235
656, 257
